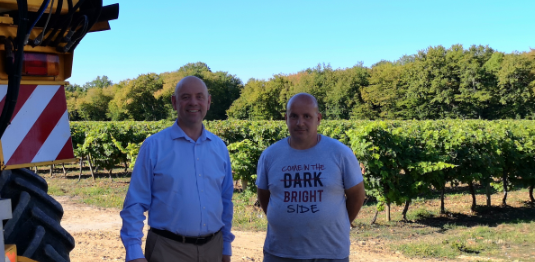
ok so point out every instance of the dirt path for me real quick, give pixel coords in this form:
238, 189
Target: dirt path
96, 232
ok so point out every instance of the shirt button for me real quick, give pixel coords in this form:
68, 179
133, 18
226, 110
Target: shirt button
204, 224
203, 207
197, 159
199, 174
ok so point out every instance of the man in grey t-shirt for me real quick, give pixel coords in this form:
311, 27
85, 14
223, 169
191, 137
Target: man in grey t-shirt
310, 187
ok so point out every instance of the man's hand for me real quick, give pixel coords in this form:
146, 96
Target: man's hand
226, 258
140, 260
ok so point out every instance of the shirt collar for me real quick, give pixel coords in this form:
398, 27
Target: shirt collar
177, 132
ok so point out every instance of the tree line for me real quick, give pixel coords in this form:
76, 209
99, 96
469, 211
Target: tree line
436, 83
148, 97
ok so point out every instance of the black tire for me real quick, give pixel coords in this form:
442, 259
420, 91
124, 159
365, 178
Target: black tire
35, 227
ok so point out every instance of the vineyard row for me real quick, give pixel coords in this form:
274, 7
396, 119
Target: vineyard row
402, 159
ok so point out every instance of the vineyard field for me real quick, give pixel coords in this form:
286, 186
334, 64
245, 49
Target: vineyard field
402, 159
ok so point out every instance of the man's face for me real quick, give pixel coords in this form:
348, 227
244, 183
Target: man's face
303, 119
191, 102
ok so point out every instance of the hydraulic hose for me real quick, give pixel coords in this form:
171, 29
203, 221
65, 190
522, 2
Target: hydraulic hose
15, 76
71, 45
40, 12
39, 38
66, 22
73, 36
57, 18
70, 15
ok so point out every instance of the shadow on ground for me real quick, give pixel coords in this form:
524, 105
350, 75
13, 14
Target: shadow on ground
483, 216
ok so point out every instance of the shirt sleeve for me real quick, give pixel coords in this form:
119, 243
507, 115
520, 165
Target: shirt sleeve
261, 174
352, 174
137, 201
226, 195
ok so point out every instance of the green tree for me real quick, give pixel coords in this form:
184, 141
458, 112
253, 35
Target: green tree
516, 98
72, 94
94, 105
345, 95
260, 100
224, 89
381, 96
135, 99
476, 82
99, 82
431, 85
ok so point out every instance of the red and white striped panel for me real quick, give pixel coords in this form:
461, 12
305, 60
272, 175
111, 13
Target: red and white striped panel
39, 129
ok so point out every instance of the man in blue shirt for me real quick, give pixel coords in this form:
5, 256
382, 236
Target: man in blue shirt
183, 178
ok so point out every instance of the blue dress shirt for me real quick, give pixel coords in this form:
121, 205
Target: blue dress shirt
185, 185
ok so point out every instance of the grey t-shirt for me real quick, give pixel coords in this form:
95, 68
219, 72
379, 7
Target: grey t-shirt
307, 215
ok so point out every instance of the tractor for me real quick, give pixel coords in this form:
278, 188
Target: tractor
37, 43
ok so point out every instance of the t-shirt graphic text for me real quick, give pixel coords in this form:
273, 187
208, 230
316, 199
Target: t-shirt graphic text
306, 184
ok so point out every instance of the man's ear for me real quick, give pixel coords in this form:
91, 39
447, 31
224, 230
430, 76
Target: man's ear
319, 118
173, 102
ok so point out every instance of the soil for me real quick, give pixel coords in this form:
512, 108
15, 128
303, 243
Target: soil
96, 232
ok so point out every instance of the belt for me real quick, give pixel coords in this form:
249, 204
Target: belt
183, 239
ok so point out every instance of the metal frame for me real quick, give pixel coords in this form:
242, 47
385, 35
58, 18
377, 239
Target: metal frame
5, 214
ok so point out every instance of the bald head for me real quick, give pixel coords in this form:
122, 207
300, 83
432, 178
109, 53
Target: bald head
302, 97
302, 118
190, 80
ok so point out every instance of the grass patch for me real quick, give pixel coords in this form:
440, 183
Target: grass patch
56, 190
426, 250
420, 213
102, 192
247, 216
507, 241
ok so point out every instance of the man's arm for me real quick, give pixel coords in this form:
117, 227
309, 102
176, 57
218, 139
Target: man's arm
263, 198
355, 198
262, 182
227, 190
137, 201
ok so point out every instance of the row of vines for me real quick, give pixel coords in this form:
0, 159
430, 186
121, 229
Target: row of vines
402, 159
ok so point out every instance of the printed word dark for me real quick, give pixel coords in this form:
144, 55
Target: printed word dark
304, 181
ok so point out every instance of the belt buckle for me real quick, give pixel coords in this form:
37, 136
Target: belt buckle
199, 238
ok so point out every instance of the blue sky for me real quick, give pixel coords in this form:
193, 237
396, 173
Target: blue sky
256, 39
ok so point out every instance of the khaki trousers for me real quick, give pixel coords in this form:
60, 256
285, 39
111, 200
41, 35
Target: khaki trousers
161, 249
